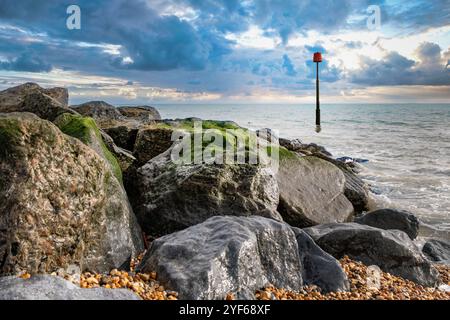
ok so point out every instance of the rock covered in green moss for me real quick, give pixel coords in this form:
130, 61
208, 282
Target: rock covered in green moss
85, 129
152, 140
60, 202
312, 192
30, 97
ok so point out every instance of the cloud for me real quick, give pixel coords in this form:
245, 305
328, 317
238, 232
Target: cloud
150, 40
289, 16
354, 44
419, 15
429, 54
316, 48
396, 69
26, 62
288, 66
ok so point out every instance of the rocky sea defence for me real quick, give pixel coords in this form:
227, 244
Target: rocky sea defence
94, 206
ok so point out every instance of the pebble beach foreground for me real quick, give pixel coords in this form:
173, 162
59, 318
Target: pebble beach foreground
391, 287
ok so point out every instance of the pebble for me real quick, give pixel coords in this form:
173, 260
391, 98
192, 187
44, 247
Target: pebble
143, 284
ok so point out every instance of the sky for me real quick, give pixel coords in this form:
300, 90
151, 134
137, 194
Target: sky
230, 51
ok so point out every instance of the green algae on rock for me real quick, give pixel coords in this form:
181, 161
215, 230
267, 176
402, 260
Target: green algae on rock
85, 129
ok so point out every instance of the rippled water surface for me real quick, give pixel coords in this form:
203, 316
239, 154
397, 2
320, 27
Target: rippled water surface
408, 145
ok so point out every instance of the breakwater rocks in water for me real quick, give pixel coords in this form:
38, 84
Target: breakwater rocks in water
91, 187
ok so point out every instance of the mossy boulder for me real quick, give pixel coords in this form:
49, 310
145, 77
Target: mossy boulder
60, 202
152, 140
85, 129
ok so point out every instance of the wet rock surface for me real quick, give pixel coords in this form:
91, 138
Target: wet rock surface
391, 250
312, 192
437, 251
318, 267
226, 255
391, 219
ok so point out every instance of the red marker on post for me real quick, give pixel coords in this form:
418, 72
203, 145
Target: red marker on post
317, 59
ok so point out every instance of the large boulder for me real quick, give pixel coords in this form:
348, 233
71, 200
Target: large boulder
30, 97
311, 191
392, 250
61, 204
45, 287
355, 189
59, 94
168, 196
437, 251
392, 219
226, 255
318, 267
144, 113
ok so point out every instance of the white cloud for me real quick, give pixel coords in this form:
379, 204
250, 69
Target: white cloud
254, 38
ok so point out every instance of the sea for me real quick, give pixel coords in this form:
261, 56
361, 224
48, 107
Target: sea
407, 145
